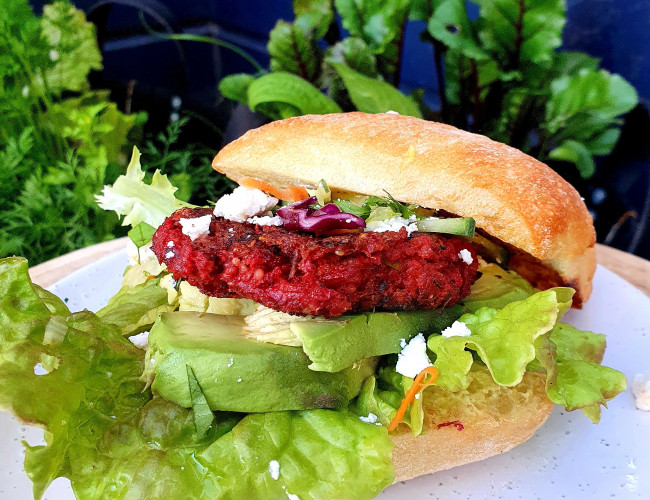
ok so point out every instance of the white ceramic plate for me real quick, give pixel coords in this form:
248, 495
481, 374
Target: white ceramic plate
568, 457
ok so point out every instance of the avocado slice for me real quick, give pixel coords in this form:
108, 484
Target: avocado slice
239, 374
335, 344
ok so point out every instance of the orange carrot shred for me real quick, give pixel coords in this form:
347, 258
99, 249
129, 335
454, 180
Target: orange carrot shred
290, 193
418, 384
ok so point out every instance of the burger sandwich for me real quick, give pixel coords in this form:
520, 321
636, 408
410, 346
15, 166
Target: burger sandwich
379, 298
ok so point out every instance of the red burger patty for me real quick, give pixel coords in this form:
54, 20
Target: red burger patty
300, 273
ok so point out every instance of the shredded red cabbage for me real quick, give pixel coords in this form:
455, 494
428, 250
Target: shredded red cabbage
327, 219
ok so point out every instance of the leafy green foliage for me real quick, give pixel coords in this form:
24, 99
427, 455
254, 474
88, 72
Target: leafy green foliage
188, 167
374, 96
505, 78
501, 72
282, 95
59, 142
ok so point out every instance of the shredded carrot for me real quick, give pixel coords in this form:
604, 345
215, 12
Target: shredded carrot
290, 193
418, 384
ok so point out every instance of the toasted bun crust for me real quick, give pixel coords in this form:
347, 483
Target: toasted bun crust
494, 419
512, 196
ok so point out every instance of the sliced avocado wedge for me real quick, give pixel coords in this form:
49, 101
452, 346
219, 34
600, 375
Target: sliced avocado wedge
335, 344
239, 374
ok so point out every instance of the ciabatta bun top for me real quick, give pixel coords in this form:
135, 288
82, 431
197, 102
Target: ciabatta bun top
512, 196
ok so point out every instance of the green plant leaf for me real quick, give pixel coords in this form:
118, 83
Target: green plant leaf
375, 96
235, 87
293, 50
517, 32
576, 153
452, 27
600, 94
582, 115
377, 22
313, 16
141, 234
422, 10
73, 47
356, 54
203, 416
289, 95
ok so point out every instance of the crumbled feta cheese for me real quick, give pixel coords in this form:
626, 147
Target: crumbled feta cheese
243, 203
266, 220
391, 112
394, 224
169, 255
466, 256
641, 390
292, 497
144, 252
274, 469
196, 227
170, 244
413, 358
370, 419
141, 340
39, 370
457, 329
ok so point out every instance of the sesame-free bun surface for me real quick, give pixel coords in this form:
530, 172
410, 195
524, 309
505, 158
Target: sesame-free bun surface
512, 196
493, 420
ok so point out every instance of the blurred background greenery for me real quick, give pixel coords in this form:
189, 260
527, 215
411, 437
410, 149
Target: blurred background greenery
497, 67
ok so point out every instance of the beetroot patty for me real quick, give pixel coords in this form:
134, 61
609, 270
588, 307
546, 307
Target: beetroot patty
299, 273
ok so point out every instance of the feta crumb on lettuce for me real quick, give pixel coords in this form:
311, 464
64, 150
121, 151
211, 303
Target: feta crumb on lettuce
274, 469
370, 419
141, 340
195, 227
413, 358
243, 203
457, 329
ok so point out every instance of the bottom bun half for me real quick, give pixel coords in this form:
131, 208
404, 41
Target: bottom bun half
481, 421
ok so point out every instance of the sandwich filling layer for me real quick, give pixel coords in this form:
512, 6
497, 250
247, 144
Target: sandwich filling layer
303, 274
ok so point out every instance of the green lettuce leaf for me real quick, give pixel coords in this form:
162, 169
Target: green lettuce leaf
135, 308
311, 448
88, 385
78, 377
502, 339
382, 396
131, 197
575, 379
496, 288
